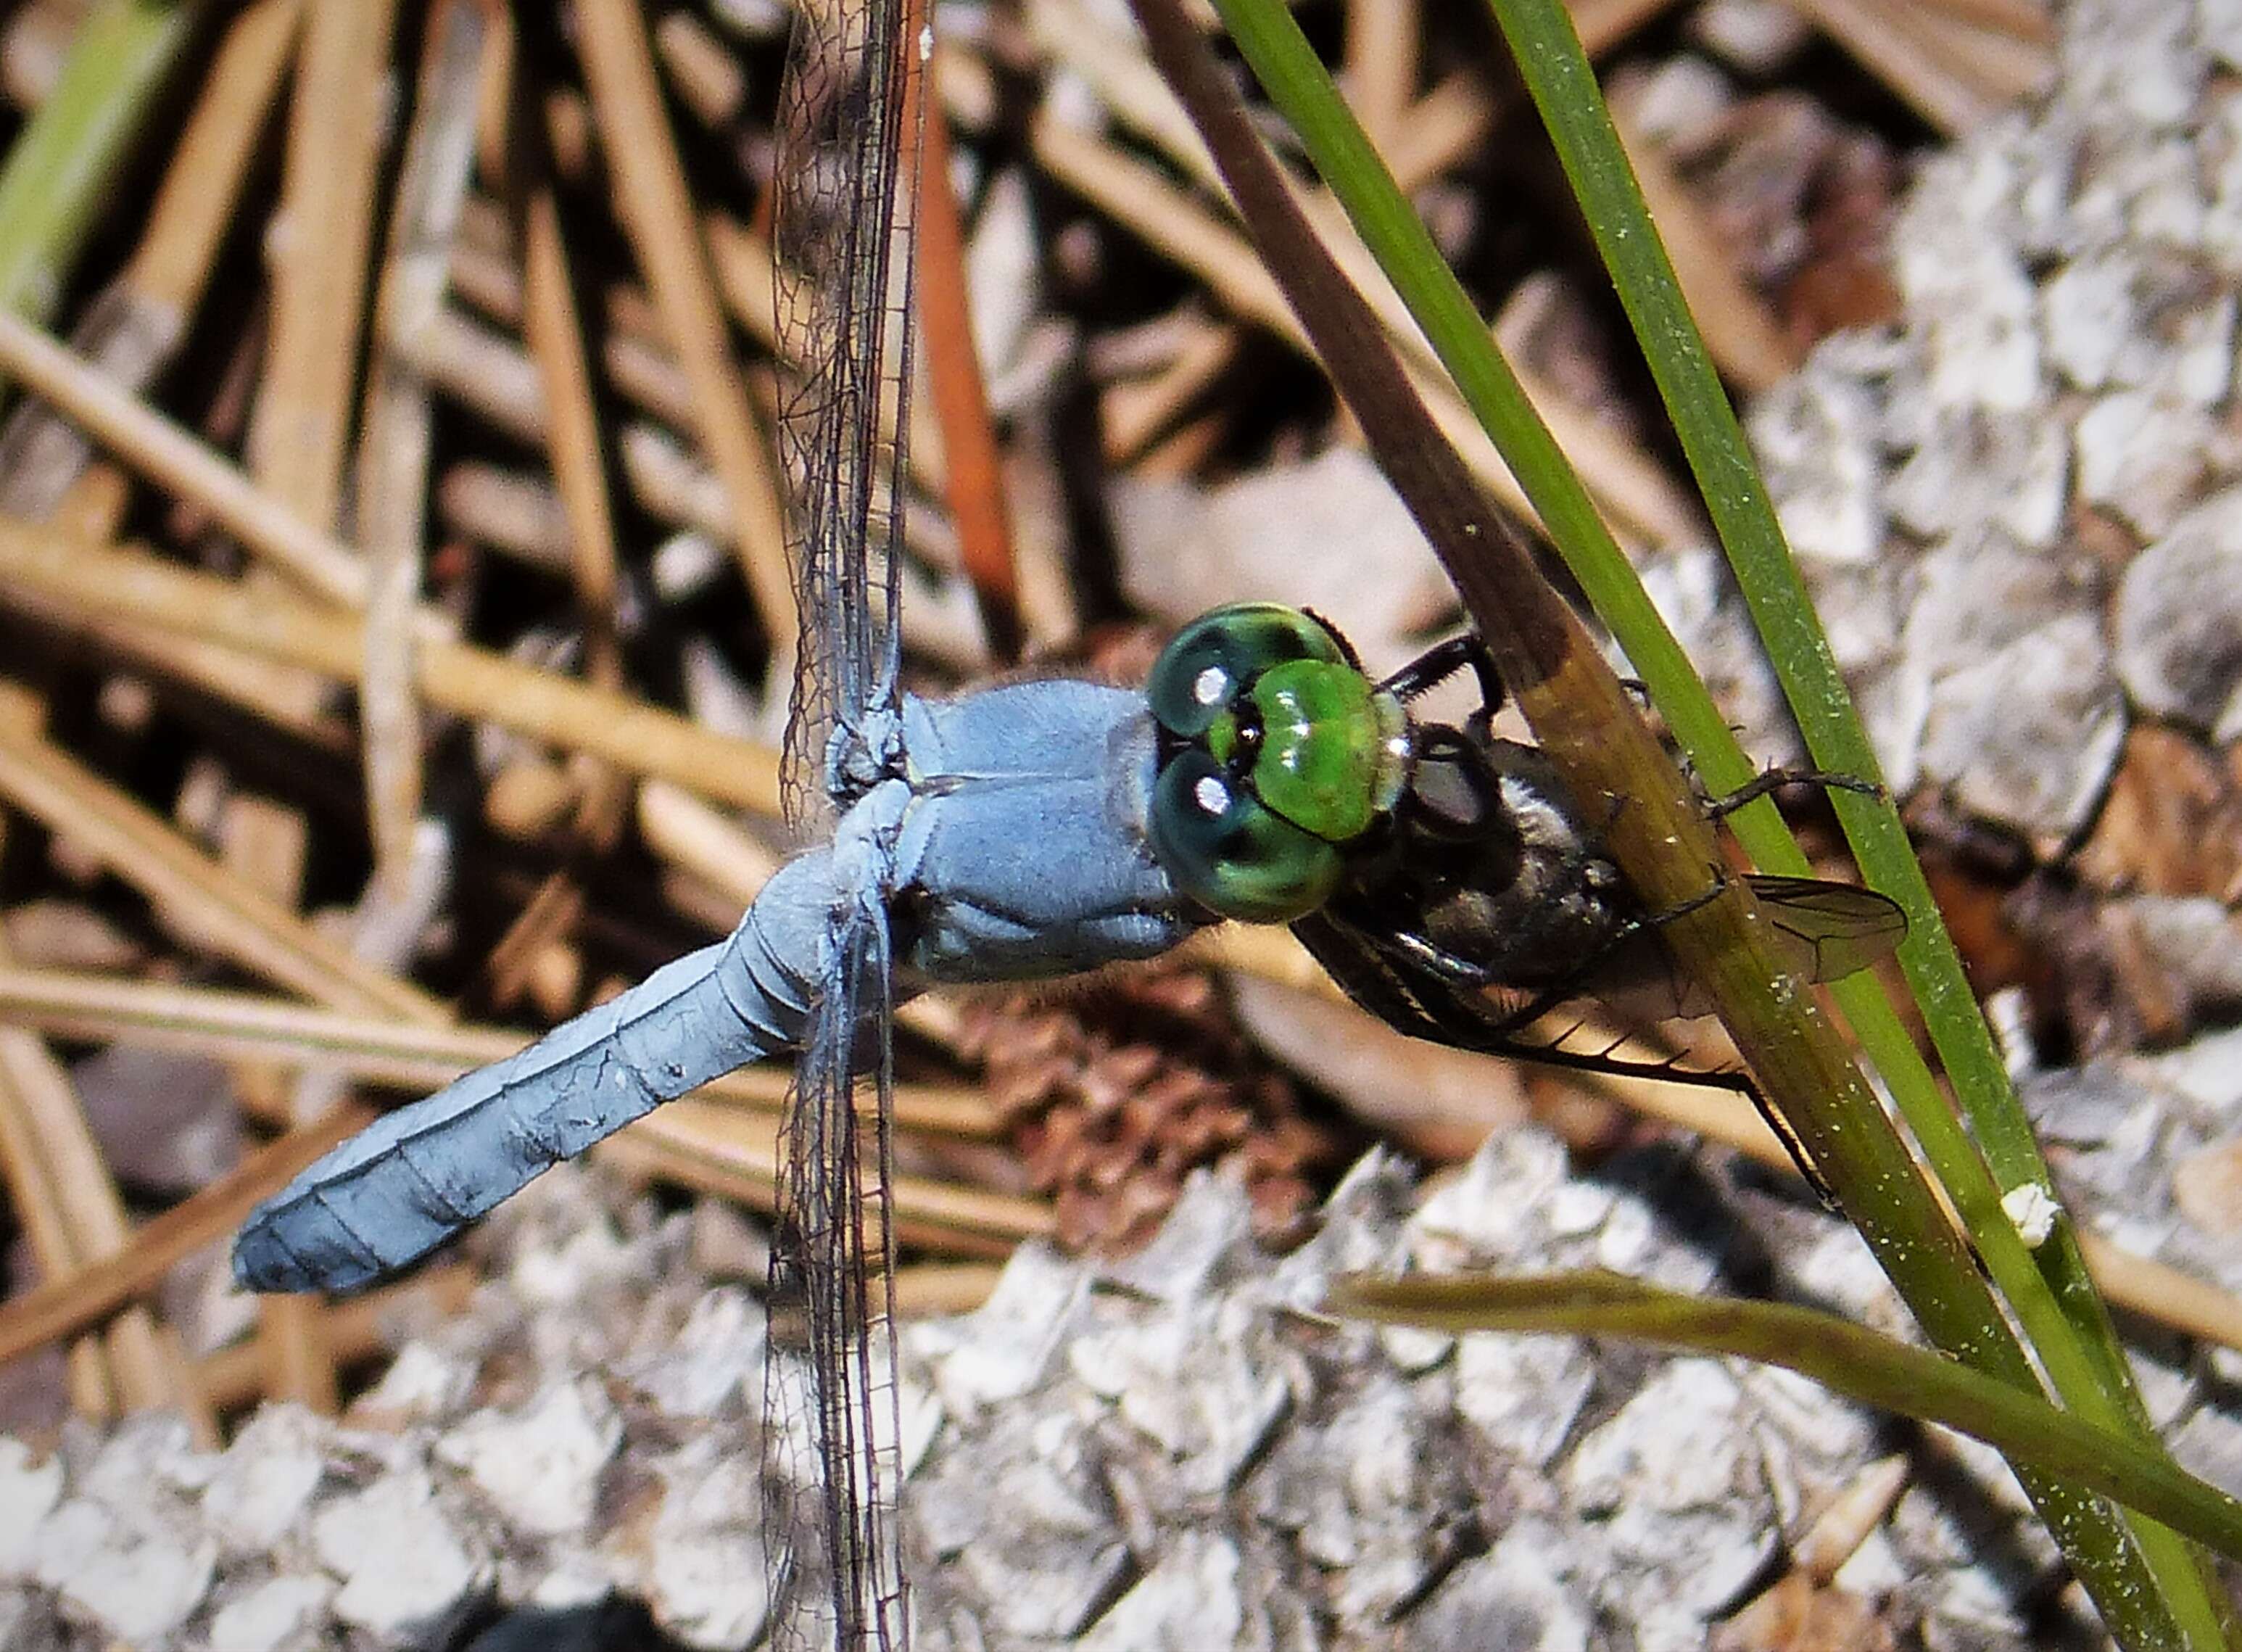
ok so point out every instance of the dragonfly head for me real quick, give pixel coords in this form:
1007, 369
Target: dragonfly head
1276, 753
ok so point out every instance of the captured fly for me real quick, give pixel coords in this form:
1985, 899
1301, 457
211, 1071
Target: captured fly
1444, 877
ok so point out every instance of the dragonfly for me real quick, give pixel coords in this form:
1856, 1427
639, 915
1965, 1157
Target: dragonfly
1444, 877
1022, 831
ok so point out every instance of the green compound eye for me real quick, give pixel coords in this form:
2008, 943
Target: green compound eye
1217, 655
1231, 854
1335, 748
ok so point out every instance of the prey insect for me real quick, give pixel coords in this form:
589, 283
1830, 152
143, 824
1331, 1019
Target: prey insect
1444, 877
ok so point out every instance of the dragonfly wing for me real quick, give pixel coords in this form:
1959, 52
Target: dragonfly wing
845, 181
848, 134
830, 1413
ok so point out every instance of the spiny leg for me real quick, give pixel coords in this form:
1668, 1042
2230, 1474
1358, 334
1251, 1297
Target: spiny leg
1442, 661
1437, 1011
1774, 779
1779, 1125
1457, 977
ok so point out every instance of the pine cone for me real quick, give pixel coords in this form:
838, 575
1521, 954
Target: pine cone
1115, 1094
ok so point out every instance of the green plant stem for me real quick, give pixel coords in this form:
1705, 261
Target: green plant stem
1280, 56
1660, 834
1844, 1358
2055, 1300
59, 172
1563, 87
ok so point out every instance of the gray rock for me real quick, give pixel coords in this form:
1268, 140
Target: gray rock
2180, 621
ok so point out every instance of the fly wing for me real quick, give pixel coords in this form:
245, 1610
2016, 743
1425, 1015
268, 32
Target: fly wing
1829, 930
830, 1415
845, 181
1824, 931
1420, 1003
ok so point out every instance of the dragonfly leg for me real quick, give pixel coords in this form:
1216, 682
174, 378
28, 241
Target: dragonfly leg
1437, 960
1471, 808
1660, 920
1780, 1128
1346, 644
1441, 1012
1774, 779
1459, 974
1442, 661
1394, 977
1777, 1124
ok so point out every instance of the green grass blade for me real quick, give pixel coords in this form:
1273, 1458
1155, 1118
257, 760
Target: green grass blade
2055, 1300
1840, 1356
2097, 1545
1718, 454
56, 176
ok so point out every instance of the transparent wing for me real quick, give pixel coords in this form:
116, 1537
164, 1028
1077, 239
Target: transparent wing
845, 180
830, 1417
847, 168
1830, 930
1825, 930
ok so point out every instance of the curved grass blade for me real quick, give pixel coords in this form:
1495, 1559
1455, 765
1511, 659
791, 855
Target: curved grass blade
1721, 459
60, 167
2050, 1290
1840, 1356
2140, 1588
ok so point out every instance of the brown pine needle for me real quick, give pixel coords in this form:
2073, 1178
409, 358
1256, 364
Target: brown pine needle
61, 1189
1383, 57
978, 510
735, 1156
355, 1330
575, 443
215, 908
300, 435
133, 330
378, 1050
1642, 501
1747, 341
1941, 92
393, 469
1602, 25
103, 585
165, 454
657, 211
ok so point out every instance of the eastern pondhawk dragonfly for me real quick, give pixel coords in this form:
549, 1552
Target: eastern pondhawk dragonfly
1027, 830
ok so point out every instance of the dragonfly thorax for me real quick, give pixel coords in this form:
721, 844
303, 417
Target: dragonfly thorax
1277, 754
